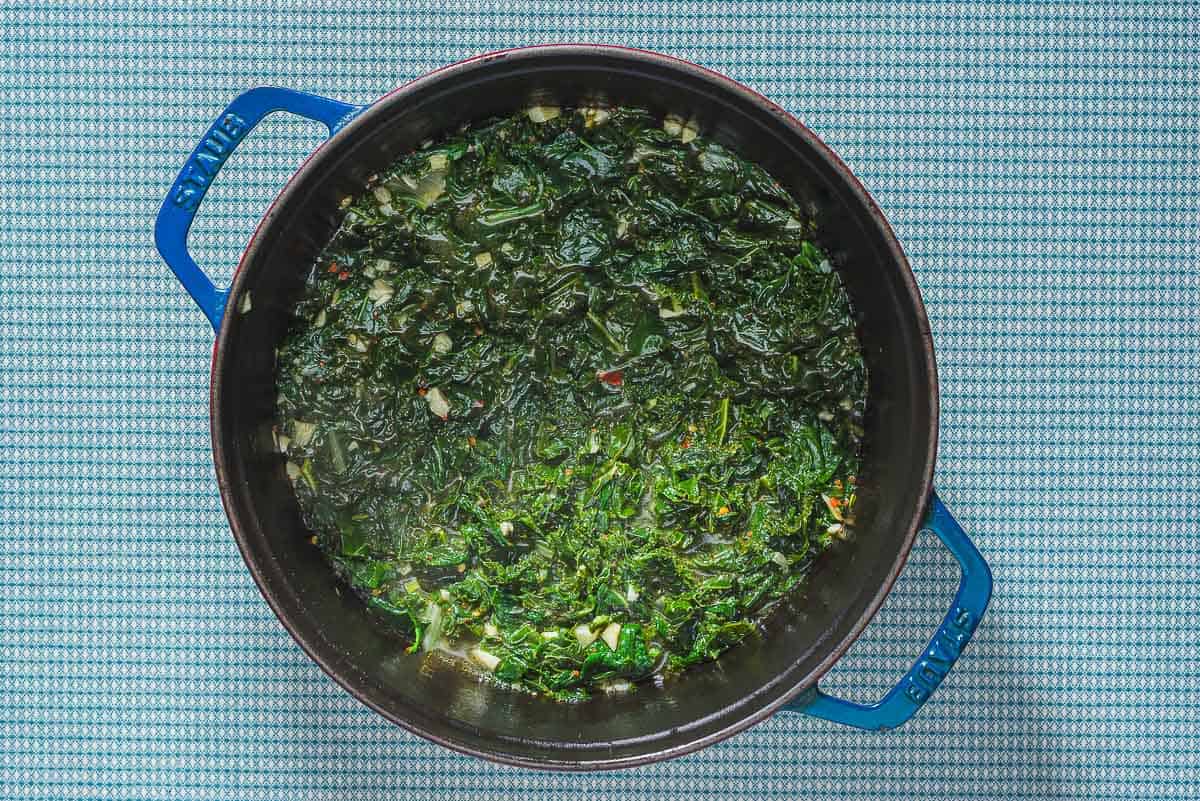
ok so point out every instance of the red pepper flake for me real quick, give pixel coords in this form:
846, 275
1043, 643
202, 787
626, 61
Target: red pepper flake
613, 378
471, 441
343, 275
687, 443
477, 404
333, 267
421, 391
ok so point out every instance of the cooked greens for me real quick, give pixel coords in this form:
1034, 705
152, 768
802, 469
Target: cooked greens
575, 395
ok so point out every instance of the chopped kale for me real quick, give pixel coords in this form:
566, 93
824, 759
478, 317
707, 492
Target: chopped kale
573, 392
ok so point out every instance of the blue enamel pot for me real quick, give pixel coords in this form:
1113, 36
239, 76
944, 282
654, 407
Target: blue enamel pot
805, 638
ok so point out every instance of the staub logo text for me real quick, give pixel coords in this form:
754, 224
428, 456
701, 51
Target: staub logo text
936, 661
209, 157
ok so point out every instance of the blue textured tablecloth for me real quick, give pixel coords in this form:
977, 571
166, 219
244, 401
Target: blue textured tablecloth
1039, 162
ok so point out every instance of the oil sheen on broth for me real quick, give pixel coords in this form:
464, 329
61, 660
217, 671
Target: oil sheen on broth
574, 395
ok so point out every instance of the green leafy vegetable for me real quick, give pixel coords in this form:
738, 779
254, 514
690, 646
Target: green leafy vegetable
576, 394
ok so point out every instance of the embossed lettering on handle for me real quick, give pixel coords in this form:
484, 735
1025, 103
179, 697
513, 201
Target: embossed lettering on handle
223, 136
937, 660
206, 161
927, 673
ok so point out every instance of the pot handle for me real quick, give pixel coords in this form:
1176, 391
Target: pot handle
903, 701
223, 136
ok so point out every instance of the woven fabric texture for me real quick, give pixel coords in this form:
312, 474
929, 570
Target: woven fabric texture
1039, 163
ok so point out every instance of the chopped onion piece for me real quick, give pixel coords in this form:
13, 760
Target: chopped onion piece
677, 126
481, 656
610, 635
438, 403
433, 632
380, 292
303, 432
293, 470
438, 161
593, 116
483, 259
585, 635
490, 630
377, 267
382, 194
640, 152
543, 113
430, 188
442, 343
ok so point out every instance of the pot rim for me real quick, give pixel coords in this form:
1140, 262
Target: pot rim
222, 345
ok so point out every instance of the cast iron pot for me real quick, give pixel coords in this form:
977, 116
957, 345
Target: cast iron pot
709, 703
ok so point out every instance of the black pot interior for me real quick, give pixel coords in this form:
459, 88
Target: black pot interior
425, 693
